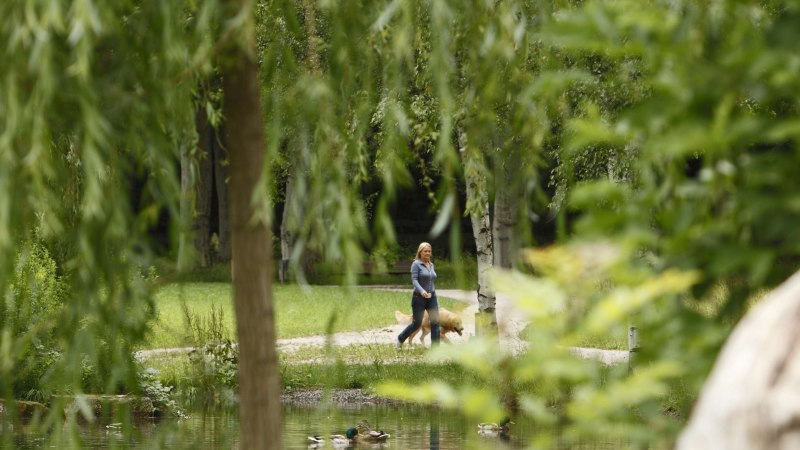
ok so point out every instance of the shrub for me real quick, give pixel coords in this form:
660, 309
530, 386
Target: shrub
162, 396
214, 361
36, 290
35, 296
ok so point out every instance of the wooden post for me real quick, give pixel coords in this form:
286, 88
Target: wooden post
633, 344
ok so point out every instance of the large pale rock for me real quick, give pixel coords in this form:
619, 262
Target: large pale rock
751, 400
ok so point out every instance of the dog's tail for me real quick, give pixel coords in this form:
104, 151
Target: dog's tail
402, 319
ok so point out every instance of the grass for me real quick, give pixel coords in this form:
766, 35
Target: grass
341, 375
299, 311
352, 366
172, 368
362, 366
615, 339
360, 354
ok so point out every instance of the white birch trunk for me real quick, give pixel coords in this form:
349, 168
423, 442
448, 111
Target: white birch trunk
486, 319
751, 400
482, 232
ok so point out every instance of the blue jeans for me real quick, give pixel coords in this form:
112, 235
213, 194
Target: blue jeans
418, 307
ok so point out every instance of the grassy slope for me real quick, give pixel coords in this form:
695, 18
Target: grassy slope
299, 311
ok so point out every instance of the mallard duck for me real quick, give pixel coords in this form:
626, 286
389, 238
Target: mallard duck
367, 434
493, 429
373, 437
338, 440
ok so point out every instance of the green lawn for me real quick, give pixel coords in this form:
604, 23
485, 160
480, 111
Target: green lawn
299, 311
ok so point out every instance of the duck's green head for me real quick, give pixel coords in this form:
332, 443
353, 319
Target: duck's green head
351, 433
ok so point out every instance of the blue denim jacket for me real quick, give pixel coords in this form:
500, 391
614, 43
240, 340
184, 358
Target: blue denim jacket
422, 278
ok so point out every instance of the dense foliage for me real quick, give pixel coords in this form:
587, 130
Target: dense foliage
714, 138
94, 102
676, 134
35, 299
671, 127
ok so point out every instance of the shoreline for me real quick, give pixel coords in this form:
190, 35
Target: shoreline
335, 398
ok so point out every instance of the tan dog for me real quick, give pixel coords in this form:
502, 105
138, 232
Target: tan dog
449, 322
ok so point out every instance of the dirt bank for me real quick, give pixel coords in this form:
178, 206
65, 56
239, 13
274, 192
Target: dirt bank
335, 398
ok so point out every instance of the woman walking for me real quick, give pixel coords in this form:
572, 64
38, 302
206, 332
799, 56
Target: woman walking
423, 276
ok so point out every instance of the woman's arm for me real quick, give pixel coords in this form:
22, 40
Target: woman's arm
415, 278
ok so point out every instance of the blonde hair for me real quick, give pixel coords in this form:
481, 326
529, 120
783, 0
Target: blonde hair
422, 247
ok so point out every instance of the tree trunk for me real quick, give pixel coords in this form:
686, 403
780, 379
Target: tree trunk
288, 221
310, 20
751, 400
186, 257
201, 217
221, 181
482, 231
287, 238
505, 223
259, 387
486, 319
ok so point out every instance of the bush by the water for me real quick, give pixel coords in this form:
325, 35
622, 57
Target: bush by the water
212, 379
37, 293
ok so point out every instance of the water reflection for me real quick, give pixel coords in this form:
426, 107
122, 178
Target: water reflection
410, 428
434, 432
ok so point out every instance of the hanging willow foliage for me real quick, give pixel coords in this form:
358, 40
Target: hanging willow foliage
95, 100
391, 82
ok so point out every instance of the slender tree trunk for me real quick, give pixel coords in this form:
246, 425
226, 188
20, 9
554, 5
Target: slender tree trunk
221, 181
288, 221
482, 232
751, 400
310, 19
201, 218
287, 238
505, 223
259, 387
186, 253
486, 319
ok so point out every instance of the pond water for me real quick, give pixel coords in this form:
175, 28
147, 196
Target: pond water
410, 428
